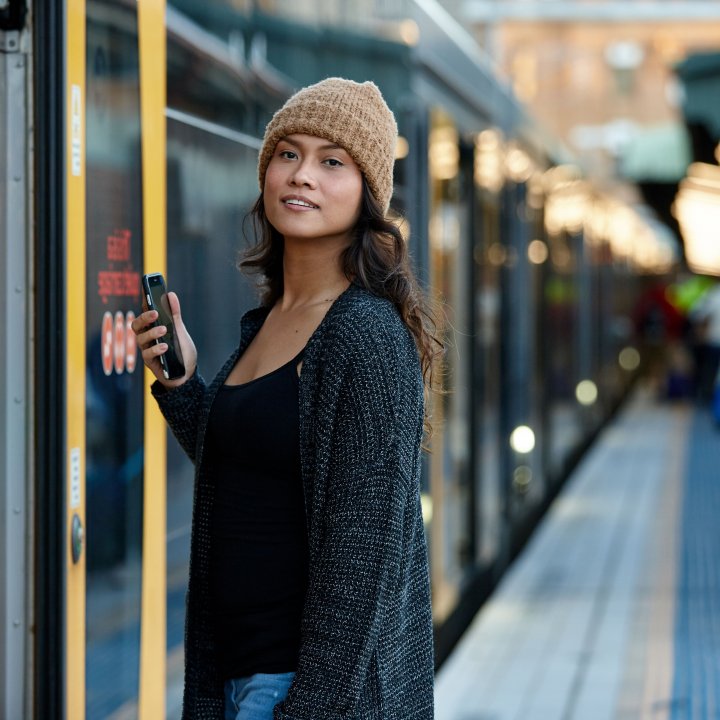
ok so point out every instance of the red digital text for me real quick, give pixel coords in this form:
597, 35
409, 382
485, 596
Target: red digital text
115, 284
118, 245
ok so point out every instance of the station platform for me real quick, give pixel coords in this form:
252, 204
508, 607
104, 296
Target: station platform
612, 610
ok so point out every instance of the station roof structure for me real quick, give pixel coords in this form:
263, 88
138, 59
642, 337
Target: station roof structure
487, 11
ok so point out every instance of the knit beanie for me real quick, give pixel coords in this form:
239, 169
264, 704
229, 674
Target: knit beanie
352, 115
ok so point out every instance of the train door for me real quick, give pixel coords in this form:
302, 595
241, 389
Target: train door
489, 256
114, 634
452, 525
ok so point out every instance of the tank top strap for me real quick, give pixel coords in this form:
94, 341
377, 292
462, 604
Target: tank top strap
293, 365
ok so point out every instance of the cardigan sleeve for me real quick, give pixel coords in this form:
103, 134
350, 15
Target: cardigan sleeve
355, 570
181, 408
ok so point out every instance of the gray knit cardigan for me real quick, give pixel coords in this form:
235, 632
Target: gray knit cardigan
366, 637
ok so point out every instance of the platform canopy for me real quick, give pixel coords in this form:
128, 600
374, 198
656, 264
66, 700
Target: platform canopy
658, 153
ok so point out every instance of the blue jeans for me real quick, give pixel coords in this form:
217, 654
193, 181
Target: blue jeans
254, 697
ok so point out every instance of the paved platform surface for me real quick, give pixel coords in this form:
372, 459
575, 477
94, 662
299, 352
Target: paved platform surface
612, 611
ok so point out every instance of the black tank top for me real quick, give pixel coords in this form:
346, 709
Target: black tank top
258, 555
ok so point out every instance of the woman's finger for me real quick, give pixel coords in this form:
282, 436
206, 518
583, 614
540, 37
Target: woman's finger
154, 351
150, 335
174, 302
142, 321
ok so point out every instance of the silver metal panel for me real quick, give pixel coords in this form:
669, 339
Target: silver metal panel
14, 387
454, 62
214, 128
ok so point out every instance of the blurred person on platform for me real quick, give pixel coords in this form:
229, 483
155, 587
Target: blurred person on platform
705, 318
661, 327
309, 594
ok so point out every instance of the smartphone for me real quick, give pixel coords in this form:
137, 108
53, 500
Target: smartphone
157, 299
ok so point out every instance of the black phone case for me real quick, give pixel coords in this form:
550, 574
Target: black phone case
171, 361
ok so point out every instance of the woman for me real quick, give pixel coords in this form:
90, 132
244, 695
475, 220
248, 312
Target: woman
309, 592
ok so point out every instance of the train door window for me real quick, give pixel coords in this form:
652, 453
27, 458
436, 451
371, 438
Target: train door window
561, 304
521, 432
114, 412
451, 532
614, 325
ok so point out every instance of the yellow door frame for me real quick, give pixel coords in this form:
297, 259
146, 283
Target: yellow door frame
75, 282
151, 30
153, 652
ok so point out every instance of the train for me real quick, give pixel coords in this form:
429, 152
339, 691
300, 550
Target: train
129, 132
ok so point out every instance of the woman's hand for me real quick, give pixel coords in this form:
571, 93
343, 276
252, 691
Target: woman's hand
151, 351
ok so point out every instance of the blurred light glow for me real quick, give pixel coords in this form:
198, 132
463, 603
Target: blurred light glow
522, 440
444, 152
497, 254
559, 176
402, 148
444, 230
629, 359
624, 55
586, 392
409, 32
537, 252
697, 209
630, 234
426, 506
522, 477
567, 207
518, 165
489, 160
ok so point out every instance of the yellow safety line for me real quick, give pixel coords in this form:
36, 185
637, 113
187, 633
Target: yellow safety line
75, 352
151, 30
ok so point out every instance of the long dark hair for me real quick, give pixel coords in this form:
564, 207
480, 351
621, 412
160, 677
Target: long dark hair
377, 259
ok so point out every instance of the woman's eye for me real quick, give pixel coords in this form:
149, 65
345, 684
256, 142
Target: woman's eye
287, 154
332, 162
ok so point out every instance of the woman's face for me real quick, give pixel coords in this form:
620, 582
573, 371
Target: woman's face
313, 189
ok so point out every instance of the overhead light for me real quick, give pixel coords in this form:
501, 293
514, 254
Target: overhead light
629, 359
402, 148
409, 32
697, 209
537, 252
522, 440
586, 392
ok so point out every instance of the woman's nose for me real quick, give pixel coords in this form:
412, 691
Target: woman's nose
302, 176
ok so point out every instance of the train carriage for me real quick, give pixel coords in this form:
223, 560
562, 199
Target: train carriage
128, 141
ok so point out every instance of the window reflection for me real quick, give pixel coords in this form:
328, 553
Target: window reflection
451, 539
561, 305
114, 506
489, 255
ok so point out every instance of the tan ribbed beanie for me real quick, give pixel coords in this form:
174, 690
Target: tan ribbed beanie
353, 115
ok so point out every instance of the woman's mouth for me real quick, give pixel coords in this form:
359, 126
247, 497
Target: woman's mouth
299, 202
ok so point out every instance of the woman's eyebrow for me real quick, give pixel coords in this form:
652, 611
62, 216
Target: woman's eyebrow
299, 144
